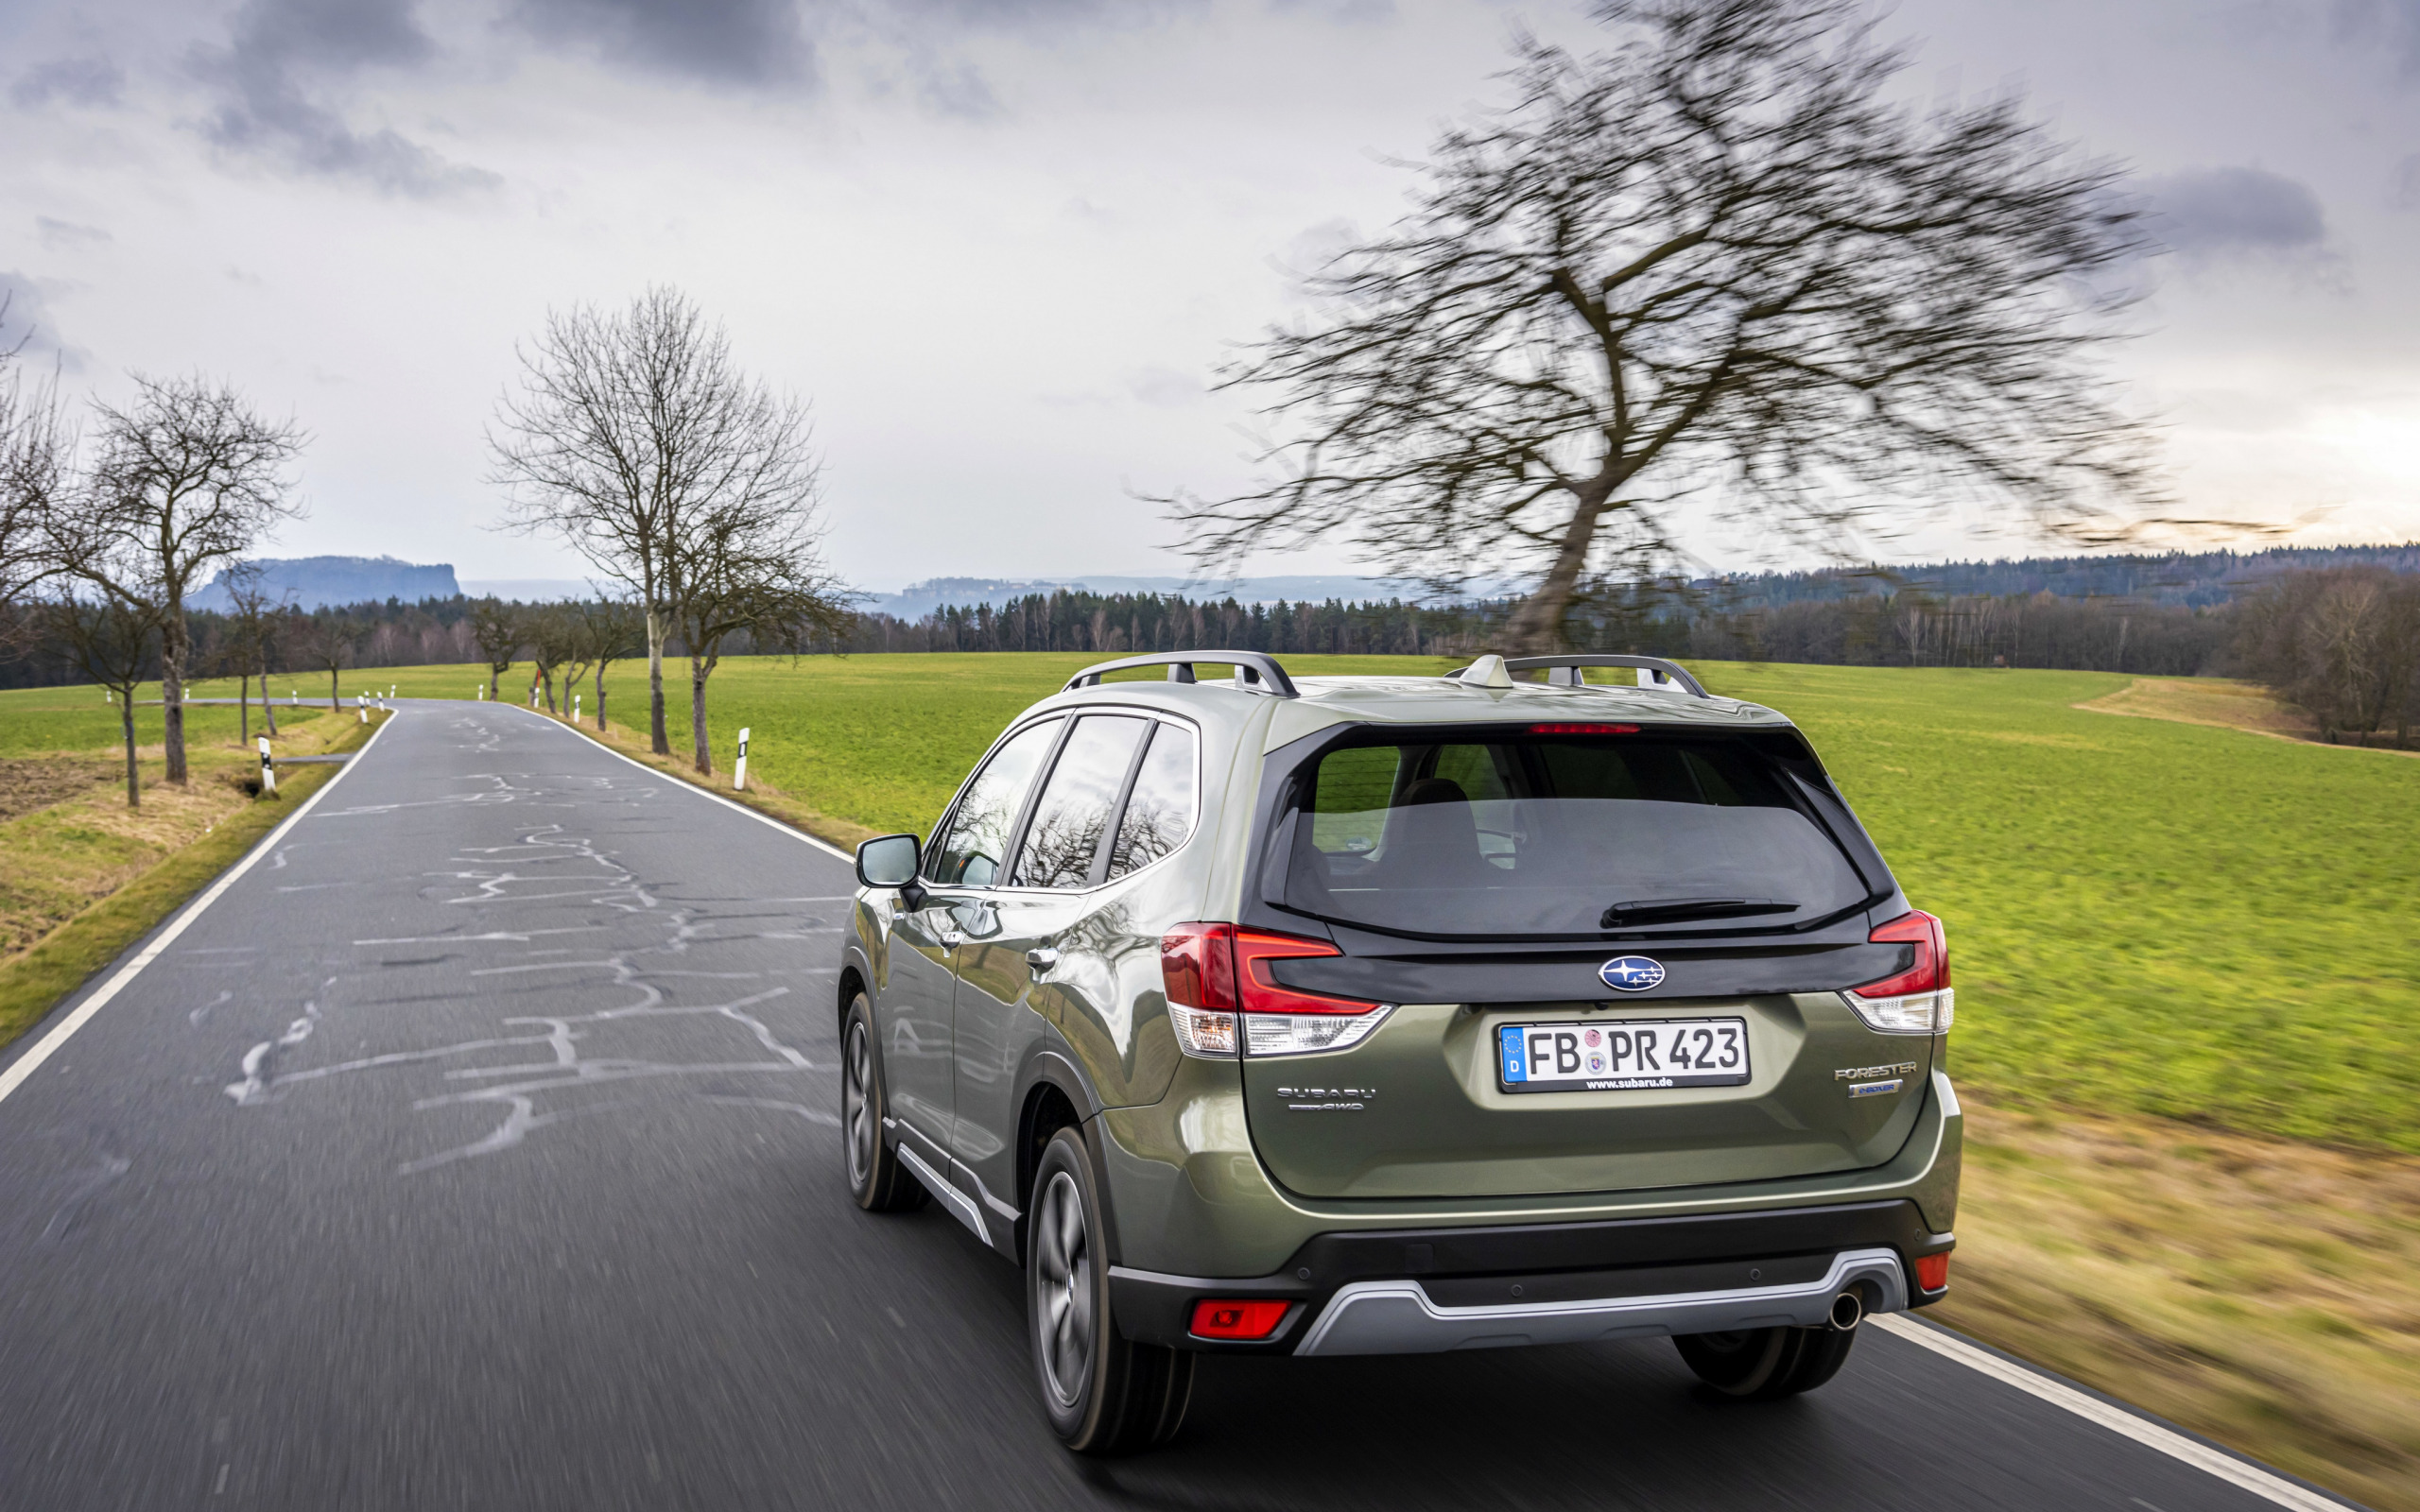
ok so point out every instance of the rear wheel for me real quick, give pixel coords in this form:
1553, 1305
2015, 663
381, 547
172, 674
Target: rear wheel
877, 1179
1764, 1364
1104, 1393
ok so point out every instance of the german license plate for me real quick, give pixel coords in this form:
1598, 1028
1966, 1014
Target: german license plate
1621, 1055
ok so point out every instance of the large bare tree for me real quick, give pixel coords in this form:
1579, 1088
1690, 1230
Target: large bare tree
36, 442
1719, 264
631, 433
183, 479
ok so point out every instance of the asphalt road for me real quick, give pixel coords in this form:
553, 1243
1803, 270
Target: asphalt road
477, 1149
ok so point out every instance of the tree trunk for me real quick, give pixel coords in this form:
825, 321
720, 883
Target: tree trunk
698, 672
133, 782
336, 705
268, 707
172, 691
600, 696
495, 683
244, 707
658, 742
1537, 624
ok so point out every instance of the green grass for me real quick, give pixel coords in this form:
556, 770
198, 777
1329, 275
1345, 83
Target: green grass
37, 721
2159, 918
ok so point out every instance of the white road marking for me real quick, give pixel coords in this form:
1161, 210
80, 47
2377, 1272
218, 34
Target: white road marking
791, 831
44, 1049
2176, 1446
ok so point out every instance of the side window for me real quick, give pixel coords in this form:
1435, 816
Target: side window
1073, 814
969, 856
1159, 813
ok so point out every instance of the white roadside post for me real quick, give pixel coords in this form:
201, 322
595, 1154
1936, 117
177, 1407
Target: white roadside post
740, 768
574, 708
361, 707
268, 768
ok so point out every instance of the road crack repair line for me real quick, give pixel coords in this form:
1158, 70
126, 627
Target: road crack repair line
543, 868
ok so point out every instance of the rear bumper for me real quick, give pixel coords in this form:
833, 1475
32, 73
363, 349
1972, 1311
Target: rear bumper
1417, 1291
1400, 1318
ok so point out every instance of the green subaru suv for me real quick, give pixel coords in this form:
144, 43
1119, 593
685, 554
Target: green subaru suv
1400, 1014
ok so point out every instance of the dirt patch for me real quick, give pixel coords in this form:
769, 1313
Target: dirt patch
2219, 701
31, 783
2263, 1292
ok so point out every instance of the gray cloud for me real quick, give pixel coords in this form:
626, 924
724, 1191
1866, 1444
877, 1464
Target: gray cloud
66, 235
27, 326
279, 47
2217, 212
2392, 26
729, 41
73, 80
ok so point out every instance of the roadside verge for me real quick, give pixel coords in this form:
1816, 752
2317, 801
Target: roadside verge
35, 980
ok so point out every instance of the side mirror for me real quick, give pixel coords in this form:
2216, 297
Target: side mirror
887, 860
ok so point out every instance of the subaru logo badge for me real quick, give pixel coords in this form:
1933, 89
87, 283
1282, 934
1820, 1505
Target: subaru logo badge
1632, 973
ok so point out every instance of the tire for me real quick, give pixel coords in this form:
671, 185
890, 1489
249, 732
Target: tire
876, 1177
1766, 1365
1103, 1393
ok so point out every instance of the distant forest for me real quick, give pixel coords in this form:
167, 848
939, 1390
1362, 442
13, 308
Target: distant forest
2160, 615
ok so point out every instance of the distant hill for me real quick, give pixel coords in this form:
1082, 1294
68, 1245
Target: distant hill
313, 582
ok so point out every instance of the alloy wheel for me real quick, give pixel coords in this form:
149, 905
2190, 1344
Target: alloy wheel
857, 1108
1064, 1279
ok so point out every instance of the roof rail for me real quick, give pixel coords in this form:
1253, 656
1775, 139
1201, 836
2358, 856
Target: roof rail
1251, 668
1566, 670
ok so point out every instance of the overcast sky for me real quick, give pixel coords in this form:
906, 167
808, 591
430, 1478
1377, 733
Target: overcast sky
1001, 244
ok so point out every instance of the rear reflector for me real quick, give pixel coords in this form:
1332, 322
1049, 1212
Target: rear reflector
1253, 1318
1933, 1272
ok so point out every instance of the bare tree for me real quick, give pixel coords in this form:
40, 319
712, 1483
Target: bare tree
2343, 644
185, 478
611, 629
327, 640
115, 642
1717, 264
753, 567
631, 431
554, 639
497, 628
35, 443
251, 625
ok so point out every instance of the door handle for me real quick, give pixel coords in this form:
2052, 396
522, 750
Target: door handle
1042, 959
952, 939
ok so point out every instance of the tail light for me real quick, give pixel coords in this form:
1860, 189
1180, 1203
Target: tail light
1220, 986
1248, 1318
1933, 1272
1917, 1000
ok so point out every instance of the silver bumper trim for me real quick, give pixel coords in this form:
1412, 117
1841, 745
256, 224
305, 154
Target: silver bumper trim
1397, 1317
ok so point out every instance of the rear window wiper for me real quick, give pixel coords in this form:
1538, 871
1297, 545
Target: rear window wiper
1673, 910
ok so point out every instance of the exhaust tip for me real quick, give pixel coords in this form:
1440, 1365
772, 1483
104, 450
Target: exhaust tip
1848, 1311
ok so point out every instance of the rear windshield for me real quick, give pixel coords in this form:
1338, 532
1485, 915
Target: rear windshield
1556, 835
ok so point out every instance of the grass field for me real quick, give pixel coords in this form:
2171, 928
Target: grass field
2147, 916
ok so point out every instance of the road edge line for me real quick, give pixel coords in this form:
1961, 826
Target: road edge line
24, 1067
758, 815
2206, 1457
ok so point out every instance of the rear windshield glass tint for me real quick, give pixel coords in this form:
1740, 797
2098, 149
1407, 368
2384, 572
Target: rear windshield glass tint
1557, 835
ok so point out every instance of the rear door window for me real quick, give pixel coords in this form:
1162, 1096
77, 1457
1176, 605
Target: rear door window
971, 850
1072, 816
1158, 815
1558, 835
